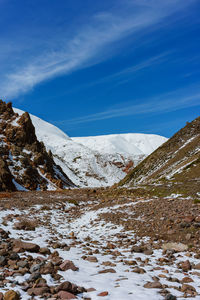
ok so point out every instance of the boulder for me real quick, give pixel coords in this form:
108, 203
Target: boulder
23, 246
68, 265
178, 247
66, 295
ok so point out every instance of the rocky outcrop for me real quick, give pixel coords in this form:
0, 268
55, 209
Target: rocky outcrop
6, 183
24, 161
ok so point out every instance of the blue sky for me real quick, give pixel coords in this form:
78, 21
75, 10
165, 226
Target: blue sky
101, 67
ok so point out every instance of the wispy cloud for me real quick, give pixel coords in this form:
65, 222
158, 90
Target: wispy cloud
169, 102
87, 46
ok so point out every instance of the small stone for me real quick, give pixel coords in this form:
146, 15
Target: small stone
91, 290
187, 287
139, 270
188, 236
148, 252
45, 251
34, 276
3, 234
153, 285
187, 280
197, 266
103, 294
197, 219
107, 271
186, 266
170, 297
14, 256
3, 261
92, 259
38, 291
22, 263
11, 295
35, 268
64, 286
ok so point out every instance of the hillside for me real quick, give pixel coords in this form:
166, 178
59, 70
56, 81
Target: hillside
177, 161
24, 162
95, 161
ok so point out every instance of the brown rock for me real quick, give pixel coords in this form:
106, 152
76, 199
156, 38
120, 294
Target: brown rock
186, 266
92, 259
66, 295
187, 280
1, 296
6, 183
11, 295
103, 294
64, 286
25, 224
45, 251
48, 268
108, 264
107, 271
3, 234
38, 291
197, 219
187, 288
153, 285
197, 266
23, 246
139, 270
91, 290
189, 219
68, 265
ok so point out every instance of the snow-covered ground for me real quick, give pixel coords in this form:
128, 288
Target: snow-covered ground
91, 234
95, 161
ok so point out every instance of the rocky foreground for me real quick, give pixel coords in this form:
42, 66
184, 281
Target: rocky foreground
84, 244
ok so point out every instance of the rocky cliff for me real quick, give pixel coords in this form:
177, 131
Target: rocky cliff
24, 161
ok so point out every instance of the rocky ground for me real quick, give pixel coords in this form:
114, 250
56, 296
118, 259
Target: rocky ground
91, 244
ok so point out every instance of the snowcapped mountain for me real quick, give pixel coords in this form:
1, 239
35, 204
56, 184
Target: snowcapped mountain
131, 145
95, 161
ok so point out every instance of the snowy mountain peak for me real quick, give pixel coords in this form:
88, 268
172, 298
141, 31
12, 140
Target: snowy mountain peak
125, 144
95, 161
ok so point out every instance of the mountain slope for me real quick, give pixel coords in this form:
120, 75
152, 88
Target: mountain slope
133, 146
95, 161
176, 161
24, 162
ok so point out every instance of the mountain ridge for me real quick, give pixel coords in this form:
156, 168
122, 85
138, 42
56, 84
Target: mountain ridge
177, 161
86, 165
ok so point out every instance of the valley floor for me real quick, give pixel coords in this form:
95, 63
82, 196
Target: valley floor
110, 244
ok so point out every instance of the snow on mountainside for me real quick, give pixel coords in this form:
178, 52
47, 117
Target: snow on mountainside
177, 162
95, 161
130, 144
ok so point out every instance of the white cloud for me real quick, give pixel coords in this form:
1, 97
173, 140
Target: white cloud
169, 102
88, 46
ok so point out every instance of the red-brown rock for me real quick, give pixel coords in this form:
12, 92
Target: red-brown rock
66, 295
103, 294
